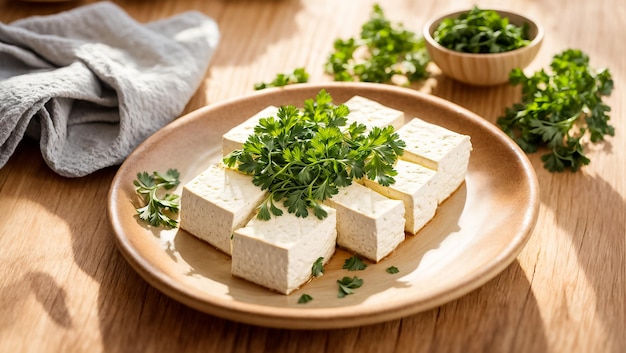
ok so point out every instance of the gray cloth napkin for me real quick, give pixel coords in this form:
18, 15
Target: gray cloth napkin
92, 83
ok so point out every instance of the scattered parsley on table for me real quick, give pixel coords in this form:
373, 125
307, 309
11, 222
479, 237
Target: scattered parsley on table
389, 50
559, 108
299, 75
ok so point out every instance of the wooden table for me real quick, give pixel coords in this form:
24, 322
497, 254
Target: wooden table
64, 287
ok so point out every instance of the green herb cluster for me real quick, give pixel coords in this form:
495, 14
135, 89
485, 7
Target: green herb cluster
303, 157
154, 212
481, 31
557, 109
389, 49
298, 75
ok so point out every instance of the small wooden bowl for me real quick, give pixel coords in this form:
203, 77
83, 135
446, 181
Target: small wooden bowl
483, 69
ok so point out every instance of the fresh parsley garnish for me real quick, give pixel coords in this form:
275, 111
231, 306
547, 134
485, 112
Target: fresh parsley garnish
481, 31
299, 75
155, 208
347, 284
390, 50
303, 157
304, 298
557, 109
354, 263
392, 270
318, 267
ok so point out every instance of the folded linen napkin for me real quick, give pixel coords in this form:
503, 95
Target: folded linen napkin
92, 83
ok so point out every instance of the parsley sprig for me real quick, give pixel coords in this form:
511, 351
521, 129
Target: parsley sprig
299, 75
347, 284
156, 207
389, 48
392, 270
303, 157
317, 269
304, 298
481, 31
557, 109
354, 263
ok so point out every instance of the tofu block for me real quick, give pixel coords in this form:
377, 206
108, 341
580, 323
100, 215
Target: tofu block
235, 137
414, 186
439, 149
279, 253
371, 113
368, 223
216, 202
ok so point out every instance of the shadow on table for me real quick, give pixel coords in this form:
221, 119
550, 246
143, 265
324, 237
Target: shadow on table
594, 202
599, 246
507, 299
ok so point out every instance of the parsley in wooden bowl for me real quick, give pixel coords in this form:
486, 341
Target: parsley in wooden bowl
481, 47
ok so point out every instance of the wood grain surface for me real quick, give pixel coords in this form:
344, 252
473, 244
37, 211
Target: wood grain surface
64, 286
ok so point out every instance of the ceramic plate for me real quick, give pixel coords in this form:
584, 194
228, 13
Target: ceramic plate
475, 234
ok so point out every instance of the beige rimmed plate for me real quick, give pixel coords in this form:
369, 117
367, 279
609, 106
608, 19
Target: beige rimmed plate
475, 234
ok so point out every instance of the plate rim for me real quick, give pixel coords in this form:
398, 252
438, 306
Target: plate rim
331, 317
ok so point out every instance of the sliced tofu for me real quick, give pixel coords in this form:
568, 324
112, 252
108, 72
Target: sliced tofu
279, 253
216, 202
414, 186
439, 149
368, 223
373, 114
238, 135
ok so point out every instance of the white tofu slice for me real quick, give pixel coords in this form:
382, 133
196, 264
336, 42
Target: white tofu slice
279, 253
216, 202
235, 137
371, 113
414, 186
368, 223
440, 149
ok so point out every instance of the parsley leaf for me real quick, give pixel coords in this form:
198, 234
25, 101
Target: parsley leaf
318, 267
303, 156
304, 298
347, 284
392, 270
354, 263
559, 108
481, 31
147, 186
390, 50
299, 75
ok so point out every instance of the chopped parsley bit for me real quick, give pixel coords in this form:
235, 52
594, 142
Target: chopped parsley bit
390, 50
305, 298
354, 263
304, 157
318, 267
298, 75
481, 31
147, 186
347, 284
557, 109
392, 269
